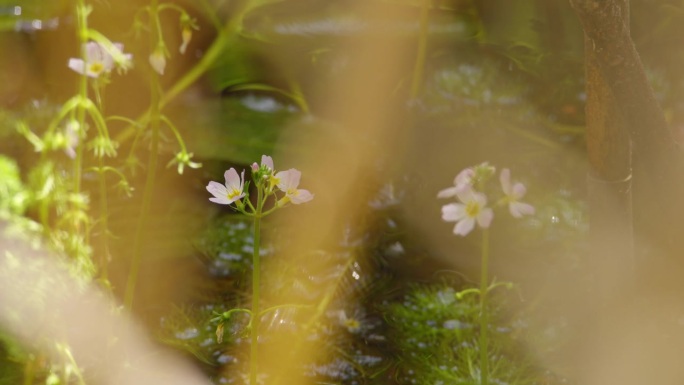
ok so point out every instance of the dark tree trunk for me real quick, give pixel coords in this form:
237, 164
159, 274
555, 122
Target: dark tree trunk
635, 170
610, 177
606, 29
622, 109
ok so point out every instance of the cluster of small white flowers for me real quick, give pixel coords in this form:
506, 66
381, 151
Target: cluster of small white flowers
286, 181
472, 206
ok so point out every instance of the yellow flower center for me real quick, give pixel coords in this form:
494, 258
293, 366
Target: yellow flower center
233, 194
352, 324
96, 67
273, 181
472, 209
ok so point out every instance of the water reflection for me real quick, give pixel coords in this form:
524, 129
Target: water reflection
27, 24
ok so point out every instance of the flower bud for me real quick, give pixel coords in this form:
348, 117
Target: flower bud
158, 60
186, 36
219, 333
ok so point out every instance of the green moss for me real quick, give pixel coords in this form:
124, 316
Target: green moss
435, 333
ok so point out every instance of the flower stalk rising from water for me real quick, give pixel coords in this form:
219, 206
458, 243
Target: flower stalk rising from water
234, 190
470, 209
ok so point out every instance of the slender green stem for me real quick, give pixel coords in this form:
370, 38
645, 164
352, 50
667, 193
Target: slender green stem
74, 366
419, 67
104, 223
154, 120
44, 215
99, 97
465, 292
104, 207
175, 7
81, 15
484, 314
296, 90
29, 370
211, 12
144, 212
175, 132
256, 270
212, 54
474, 14
226, 315
206, 62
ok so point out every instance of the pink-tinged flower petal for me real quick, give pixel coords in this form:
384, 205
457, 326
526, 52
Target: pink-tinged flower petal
505, 179
463, 181
485, 218
453, 212
219, 192
267, 161
464, 177
98, 60
513, 194
464, 226
231, 192
518, 209
288, 180
233, 180
94, 53
519, 191
448, 192
480, 198
255, 167
107, 60
301, 196
467, 194
77, 65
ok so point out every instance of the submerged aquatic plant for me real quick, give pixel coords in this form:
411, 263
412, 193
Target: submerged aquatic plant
434, 329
